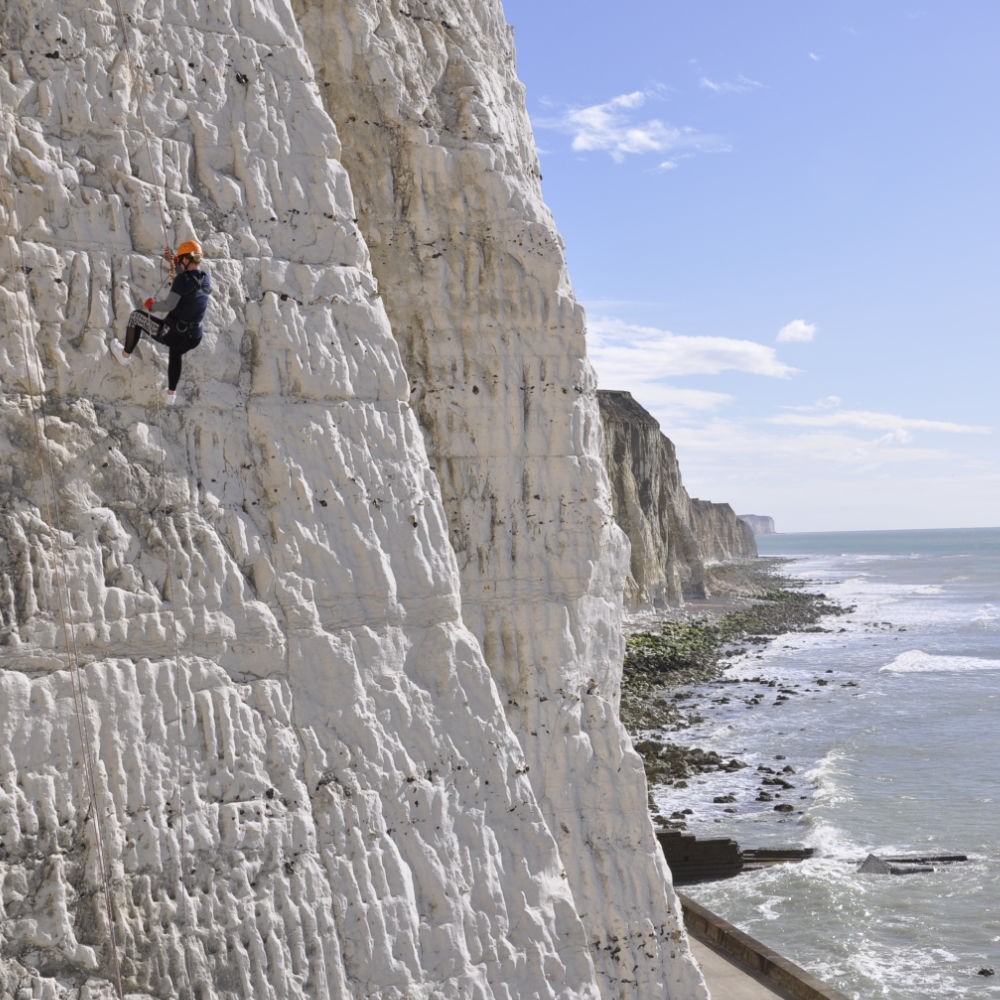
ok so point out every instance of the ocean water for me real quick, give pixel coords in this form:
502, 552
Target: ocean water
887, 727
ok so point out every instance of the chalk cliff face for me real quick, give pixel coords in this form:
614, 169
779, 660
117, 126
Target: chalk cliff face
673, 536
340, 636
441, 156
760, 524
721, 535
651, 505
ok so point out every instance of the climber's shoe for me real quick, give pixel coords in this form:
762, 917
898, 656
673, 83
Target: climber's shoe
118, 353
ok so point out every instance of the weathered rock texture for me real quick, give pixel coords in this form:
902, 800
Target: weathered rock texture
673, 537
721, 535
447, 187
760, 524
350, 696
651, 505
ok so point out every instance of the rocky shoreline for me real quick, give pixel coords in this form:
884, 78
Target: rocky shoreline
668, 654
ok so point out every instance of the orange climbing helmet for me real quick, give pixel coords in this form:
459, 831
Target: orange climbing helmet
189, 246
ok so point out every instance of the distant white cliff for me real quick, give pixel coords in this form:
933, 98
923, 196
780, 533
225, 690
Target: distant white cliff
760, 524
340, 636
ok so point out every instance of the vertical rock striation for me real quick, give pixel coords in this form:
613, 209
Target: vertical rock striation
674, 537
309, 781
305, 781
438, 145
722, 536
445, 174
651, 505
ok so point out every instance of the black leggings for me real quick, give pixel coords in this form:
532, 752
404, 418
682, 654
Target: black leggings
179, 343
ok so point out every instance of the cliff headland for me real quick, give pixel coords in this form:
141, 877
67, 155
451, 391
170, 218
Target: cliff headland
675, 540
760, 524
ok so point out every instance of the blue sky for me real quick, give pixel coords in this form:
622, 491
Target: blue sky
783, 219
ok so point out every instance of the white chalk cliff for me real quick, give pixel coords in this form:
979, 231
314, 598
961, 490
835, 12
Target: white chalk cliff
341, 634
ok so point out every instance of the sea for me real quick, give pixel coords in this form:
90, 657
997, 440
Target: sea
878, 735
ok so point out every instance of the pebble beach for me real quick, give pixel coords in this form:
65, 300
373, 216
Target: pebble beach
869, 732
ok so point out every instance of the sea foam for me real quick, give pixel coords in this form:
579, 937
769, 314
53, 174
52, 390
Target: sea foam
915, 661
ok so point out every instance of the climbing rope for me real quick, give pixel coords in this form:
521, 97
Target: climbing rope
169, 579
142, 120
162, 474
36, 401
53, 516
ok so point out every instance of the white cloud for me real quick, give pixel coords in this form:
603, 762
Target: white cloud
624, 354
797, 330
735, 460
745, 444
738, 86
671, 405
897, 428
826, 403
615, 127
814, 479
671, 164
814, 57
813, 466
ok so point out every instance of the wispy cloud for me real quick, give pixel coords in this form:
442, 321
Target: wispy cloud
826, 403
814, 57
815, 478
738, 86
673, 163
625, 354
897, 428
618, 127
720, 441
797, 330
671, 404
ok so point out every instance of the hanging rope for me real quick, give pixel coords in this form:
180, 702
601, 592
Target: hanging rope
166, 242
35, 385
162, 476
53, 517
169, 580
142, 120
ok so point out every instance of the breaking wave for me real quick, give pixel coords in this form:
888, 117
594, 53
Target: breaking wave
915, 661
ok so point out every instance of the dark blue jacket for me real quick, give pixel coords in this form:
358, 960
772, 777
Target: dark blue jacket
193, 288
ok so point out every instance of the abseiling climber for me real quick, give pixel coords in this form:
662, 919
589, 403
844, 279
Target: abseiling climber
185, 306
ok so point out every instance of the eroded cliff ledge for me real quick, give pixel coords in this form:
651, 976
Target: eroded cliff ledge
345, 628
